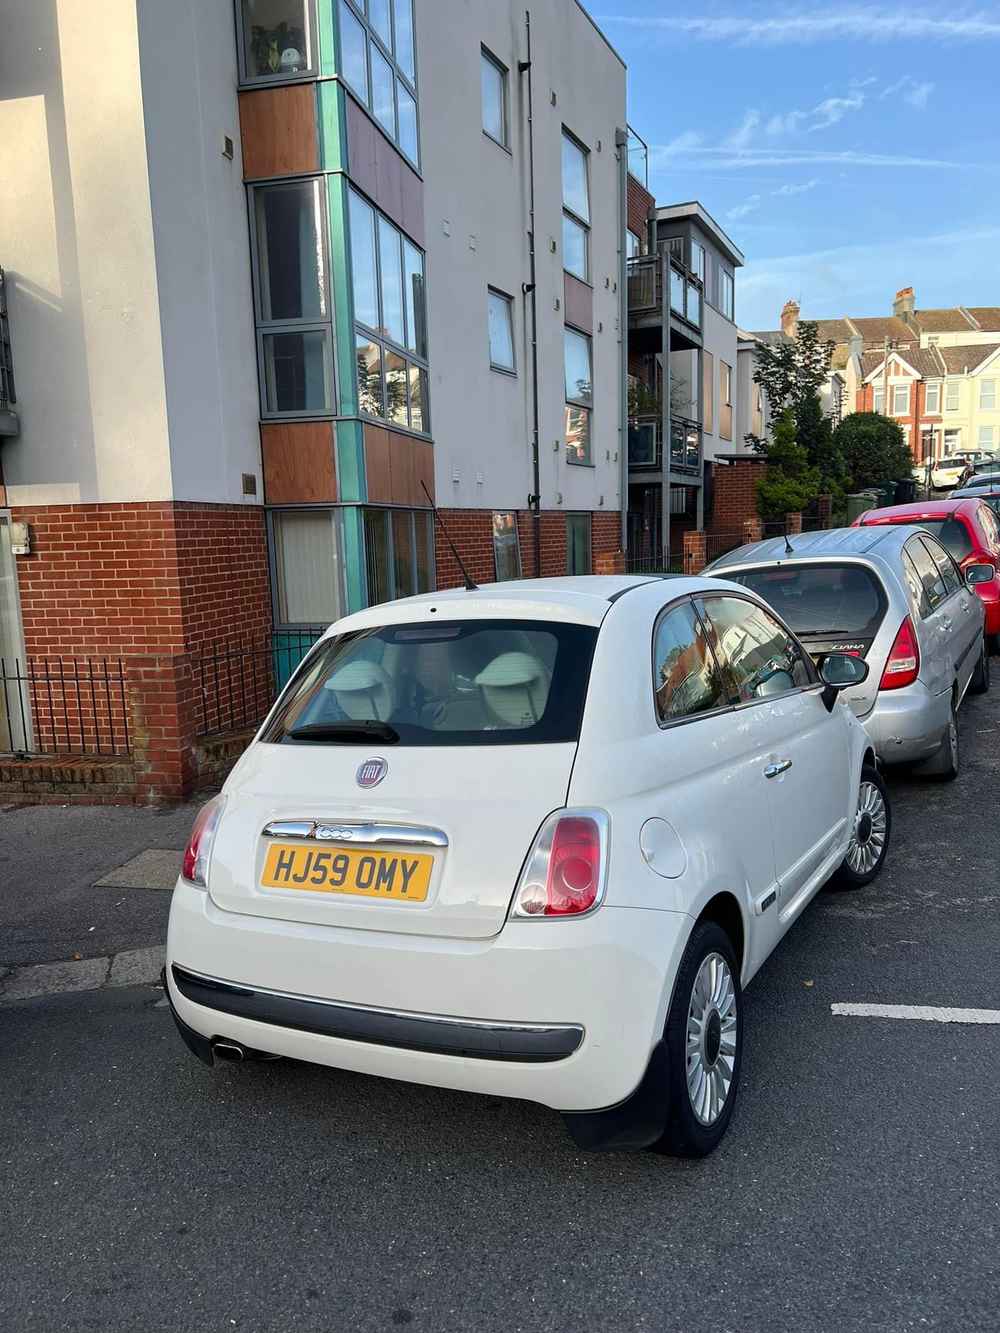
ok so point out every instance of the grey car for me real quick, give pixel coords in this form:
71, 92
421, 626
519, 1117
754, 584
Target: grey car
894, 596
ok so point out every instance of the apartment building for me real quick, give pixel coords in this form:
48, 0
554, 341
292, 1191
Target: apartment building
935, 371
683, 367
276, 274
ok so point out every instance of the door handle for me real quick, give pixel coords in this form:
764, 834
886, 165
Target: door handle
945, 626
774, 770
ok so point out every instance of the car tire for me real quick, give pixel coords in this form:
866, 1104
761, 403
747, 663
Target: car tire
703, 1075
980, 682
944, 765
870, 835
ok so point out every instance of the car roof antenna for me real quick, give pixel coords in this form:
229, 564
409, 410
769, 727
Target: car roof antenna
469, 585
789, 548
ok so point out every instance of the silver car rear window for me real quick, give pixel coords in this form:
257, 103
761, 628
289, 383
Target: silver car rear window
834, 598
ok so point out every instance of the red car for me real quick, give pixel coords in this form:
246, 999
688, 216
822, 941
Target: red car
969, 531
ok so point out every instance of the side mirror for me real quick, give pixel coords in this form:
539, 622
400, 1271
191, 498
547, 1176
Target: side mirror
838, 672
979, 573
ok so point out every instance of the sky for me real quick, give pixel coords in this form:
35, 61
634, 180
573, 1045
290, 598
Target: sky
848, 150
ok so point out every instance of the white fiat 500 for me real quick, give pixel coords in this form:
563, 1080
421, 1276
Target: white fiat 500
529, 840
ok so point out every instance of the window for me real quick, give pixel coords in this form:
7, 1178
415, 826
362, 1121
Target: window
708, 392
952, 535
506, 547
500, 319
578, 544
472, 682
698, 260
726, 298
399, 547
293, 302
946, 567
878, 399
387, 278
951, 394
676, 291
686, 678
494, 86
930, 584
576, 208
988, 394
900, 400
276, 40
377, 62
307, 564
843, 600
578, 396
633, 245
986, 437
932, 404
725, 401
756, 657
952, 439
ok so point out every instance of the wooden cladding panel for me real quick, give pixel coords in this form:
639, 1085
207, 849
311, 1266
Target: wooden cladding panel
278, 129
383, 174
395, 465
298, 461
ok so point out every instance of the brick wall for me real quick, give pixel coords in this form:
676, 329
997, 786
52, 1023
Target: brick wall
149, 583
638, 202
472, 532
735, 494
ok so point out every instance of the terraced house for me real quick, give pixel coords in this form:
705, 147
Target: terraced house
277, 274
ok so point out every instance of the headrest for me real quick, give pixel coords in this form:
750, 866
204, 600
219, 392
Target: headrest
364, 691
516, 688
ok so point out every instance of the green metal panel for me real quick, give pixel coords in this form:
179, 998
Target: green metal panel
331, 115
343, 299
354, 558
351, 479
326, 21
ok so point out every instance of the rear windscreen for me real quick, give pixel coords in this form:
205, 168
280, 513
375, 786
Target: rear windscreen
473, 682
820, 599
951, 534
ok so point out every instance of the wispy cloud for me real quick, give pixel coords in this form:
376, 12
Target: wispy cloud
743, 136
804, 28
745, 209
724, 159
912, 91
688, 142
829, 112
786, 191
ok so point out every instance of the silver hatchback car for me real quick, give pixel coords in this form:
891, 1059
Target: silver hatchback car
894, 596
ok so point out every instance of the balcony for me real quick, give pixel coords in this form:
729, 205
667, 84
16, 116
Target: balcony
645, 451
645, 289
638, 157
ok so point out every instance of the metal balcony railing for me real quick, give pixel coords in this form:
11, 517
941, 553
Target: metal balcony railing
645, 447
645, 288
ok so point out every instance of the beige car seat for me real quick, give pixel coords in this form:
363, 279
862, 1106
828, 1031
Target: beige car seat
515, 687
364, 691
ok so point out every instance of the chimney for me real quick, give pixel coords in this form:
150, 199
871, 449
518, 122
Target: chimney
904, 303
790, 318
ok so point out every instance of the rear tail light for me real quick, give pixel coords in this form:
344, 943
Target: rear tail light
565, 870
194, 867
903, 664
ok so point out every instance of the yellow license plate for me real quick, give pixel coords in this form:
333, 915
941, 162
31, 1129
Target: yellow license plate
365, 872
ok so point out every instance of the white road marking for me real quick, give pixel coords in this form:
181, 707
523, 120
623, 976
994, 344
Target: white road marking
928, 1013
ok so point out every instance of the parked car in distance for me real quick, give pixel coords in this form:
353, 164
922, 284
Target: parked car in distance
988, 494
969, 530
981, 480
946, 472
894, 597
530, 840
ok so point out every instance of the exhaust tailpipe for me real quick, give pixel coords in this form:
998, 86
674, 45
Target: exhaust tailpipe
229, 1050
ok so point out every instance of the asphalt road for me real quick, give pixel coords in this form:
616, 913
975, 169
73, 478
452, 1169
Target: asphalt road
856, 1190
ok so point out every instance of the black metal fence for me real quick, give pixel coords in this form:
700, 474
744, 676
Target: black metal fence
238, 681
71, 706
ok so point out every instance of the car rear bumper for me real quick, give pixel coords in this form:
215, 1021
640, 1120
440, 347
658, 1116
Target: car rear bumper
566, 1013
908, 725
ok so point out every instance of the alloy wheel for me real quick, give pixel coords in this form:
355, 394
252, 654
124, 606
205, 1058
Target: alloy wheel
711, 1038
870, 825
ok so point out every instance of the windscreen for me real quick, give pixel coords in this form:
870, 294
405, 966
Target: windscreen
951, 534
820, 599
473, 682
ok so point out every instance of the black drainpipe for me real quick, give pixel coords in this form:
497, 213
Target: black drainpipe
528, 289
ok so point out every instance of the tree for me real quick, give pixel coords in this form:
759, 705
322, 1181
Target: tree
791, 372
789, 483
874, 450
814, 432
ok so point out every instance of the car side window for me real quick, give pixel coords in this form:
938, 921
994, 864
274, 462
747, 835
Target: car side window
757, 657
918, 597
946, 566
686, 677
930, 576
988, 523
